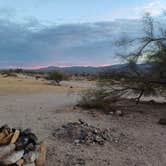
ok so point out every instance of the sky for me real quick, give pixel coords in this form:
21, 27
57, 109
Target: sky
39, 33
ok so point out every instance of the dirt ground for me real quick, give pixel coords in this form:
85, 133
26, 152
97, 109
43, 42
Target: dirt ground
20, 85
45, 108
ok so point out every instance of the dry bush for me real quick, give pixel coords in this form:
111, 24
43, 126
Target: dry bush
9, 74
103, 99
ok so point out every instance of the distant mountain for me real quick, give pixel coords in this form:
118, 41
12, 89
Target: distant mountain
90, 69
73, 69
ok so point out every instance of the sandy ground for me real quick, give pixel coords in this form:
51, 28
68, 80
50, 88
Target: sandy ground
45, 108
17, 85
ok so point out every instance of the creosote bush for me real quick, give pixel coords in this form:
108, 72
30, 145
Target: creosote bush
93, 98
57, 77
105, 99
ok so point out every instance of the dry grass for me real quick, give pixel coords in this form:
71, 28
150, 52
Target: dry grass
12, 85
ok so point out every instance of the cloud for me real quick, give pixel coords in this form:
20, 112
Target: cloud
154, 7
7, 12
30, 43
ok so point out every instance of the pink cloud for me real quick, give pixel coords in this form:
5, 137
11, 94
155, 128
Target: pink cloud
104, 65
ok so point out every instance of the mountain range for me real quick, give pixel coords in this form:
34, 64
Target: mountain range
90, 69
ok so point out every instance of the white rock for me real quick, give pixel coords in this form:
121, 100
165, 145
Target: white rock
14, 157
31, 157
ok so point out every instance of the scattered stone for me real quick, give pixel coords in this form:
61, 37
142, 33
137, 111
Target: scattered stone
73, 161
83, 133
119, 113
80, 162
111, 113
82, 121
77, 141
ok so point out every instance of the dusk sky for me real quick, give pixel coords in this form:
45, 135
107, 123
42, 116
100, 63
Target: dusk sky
38, 33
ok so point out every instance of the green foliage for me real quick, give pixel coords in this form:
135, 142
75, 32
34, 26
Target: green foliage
149, 48
56, 76
133, 80
105, 99
158, 60
93, 98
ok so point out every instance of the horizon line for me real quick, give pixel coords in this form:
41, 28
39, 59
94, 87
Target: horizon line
46, 66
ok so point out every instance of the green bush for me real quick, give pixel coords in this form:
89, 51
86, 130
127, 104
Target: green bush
57, 76
100, 98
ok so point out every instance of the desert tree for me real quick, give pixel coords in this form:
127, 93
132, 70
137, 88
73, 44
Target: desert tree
150, 50
150, 53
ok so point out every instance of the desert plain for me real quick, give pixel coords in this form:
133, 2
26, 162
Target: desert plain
29, 103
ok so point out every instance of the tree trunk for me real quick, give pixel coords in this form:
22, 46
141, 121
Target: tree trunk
140, 95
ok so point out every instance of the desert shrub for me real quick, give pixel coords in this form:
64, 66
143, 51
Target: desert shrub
92, 98
18, 70
37, 77
66, 77
9, 73
102, 98
57, 77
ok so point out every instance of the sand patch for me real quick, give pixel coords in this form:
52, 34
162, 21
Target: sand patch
12, 85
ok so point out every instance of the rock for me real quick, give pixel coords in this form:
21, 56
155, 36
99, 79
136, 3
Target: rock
77, 141
81, 162
20, 162
99, 140
82, 122
30, 164
40, 161
26, 138
30, 157
162, 121
111, 113
82, 133
4, 127
15, 136
95, 131
30, 147
27, 131
32, 138
5, 135
119, 113
14, 157
22, 142
5, 150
